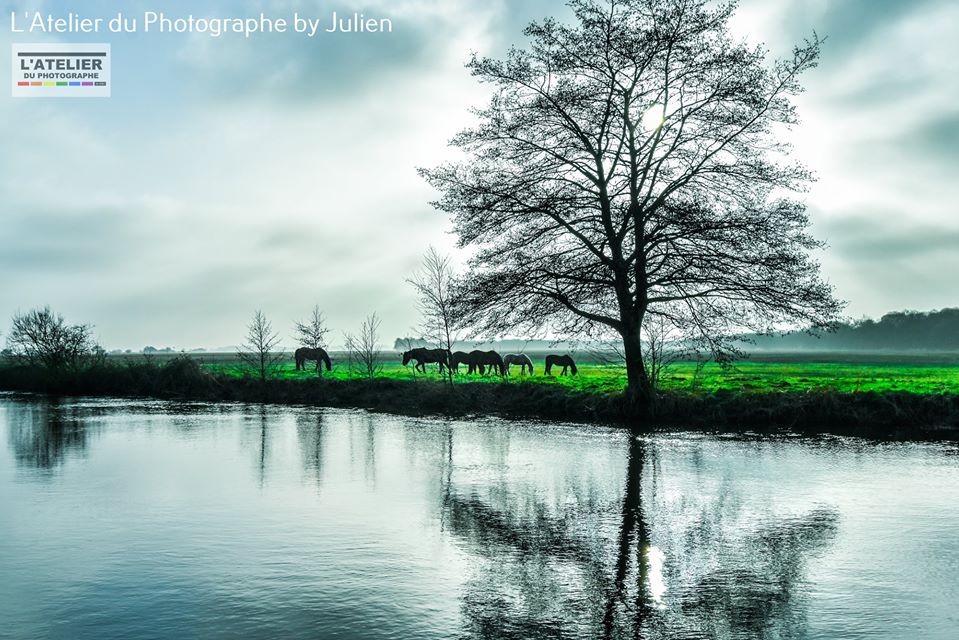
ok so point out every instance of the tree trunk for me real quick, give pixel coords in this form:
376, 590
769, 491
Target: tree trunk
640, 395
634, 530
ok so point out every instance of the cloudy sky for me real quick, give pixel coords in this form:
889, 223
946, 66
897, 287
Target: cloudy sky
228, 174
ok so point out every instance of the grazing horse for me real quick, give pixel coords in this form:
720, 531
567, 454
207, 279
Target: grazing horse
483, 359
560, 361
521, 359
303, 354
425, 356
458, 358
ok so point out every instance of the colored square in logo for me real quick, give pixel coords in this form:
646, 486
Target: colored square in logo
61, 70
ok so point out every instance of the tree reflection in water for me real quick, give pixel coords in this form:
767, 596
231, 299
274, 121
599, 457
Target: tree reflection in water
45, 432
637, 568
632, 541
312, 439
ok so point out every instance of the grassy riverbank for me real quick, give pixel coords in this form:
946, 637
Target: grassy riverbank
889, 401
749, 376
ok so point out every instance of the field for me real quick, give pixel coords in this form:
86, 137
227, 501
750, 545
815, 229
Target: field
844, 373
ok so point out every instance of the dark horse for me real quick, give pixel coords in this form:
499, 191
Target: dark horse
303, 354
520, 359
480, 360
458, 358
425, 356
560, 361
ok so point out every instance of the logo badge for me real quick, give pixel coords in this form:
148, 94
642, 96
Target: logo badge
59, 70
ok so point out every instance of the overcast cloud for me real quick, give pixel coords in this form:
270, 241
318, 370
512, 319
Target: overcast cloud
226, 175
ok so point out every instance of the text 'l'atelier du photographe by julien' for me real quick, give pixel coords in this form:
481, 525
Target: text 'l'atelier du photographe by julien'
158, 22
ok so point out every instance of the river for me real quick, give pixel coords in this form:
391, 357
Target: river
139, 519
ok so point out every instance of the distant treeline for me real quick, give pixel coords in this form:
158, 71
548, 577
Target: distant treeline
897, 331
506, 346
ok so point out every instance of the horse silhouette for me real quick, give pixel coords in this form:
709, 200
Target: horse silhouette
560, 361
457, 358
481, 360
303, 354
424, 356
518, 358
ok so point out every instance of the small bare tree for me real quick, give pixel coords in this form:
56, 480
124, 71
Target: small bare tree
259, 351
42, 337
663, 347
364, 348
434, 283
350, 346
312, 332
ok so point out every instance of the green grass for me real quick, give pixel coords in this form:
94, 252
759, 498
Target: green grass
748, 376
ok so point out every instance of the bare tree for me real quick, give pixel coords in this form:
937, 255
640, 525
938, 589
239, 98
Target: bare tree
259, 352
42, 337
434, 283
312, 332
628, 165
663, 346
349, 344
364, 348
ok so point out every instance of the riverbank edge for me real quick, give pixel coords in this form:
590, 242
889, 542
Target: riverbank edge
888, 415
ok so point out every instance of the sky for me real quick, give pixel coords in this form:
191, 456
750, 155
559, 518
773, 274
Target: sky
226, 175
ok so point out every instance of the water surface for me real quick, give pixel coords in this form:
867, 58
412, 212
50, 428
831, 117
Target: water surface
161, 520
